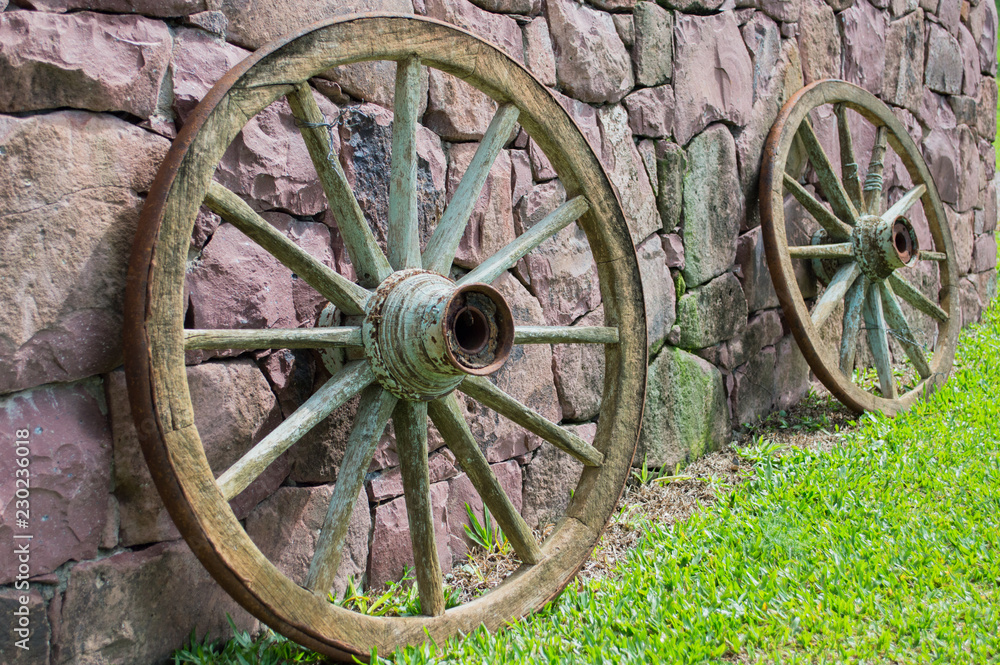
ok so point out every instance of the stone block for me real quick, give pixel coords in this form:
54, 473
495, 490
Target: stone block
521, 181
549, 478
60, 318
157, 8
944, 61
84, 60
986, 117
592, 63
33, 646
953, 160
671, 165
712, 204
753, 387
462, 493
653, 49
234, 408
391, 551
491, 225
212, 22
785, 11
987, 43
537, 203
657, 290
962, 237
389, 483
198, 61
286, 526
253, 23
713, 78
541, 167
711, 313
984, 253
624, 166
763, 40
755, 277
686, 412
819, 41
539, 57
673, 249
455, 110
625, 27
140, 606
693, 6
970, 304
935, 111
970, 62
651, 111
69, 462
949, 14
791, 373
763, 330
863, 28
494, 28
647, 153
578, 370
903, 84
986, 286
529, 7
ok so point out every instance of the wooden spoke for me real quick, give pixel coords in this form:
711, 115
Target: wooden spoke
335, 392
840, 250
482, 390
834, 293
873, 181
273, 338
848, 162
905, 203
910, 294
369, 261
879, 343
565, 335
554, 222
900, 329
836, 228
377, 405
447, 417
828, 181
927, 255
404, 234
410, 421
853, 303
333, 286
440, 250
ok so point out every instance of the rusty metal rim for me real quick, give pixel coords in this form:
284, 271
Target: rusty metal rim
157, 422
776, 149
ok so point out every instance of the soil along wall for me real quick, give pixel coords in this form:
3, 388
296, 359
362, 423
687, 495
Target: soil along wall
676, 99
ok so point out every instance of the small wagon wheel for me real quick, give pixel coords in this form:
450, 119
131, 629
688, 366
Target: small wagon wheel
421, 335
862, 251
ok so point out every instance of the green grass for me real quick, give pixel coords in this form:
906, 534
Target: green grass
885, 550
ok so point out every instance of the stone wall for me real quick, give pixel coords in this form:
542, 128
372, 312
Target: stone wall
676, 99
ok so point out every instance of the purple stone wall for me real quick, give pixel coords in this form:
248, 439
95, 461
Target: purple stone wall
676, 97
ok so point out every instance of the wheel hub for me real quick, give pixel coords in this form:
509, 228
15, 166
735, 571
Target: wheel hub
423, 334
882, 246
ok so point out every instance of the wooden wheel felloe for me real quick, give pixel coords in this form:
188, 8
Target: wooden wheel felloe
874, 244
416, 337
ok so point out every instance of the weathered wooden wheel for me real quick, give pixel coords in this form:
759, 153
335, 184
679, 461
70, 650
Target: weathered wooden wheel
420, 337
862, 250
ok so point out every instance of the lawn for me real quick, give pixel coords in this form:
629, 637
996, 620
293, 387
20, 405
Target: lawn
886, 549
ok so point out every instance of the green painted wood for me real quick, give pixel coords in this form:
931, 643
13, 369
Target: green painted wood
446, 413
836, 228
900, 327
853, 303
335, 392
848, 161
410, 423
506, 257
910, 294
878, 341
333, 286
369, 262
829, 183
927, 255
873, 181
565, 335
441, 248
904, 203
840, 250
377, 405
483, 391
834, 292
273, 338
404, 234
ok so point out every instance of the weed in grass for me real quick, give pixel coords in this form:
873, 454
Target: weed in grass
268, 648
485, 534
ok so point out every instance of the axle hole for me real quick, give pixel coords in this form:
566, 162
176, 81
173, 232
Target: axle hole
472, 330
901, 240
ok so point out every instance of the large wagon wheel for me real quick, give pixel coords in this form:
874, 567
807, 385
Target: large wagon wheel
421, 335
862, 251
